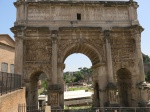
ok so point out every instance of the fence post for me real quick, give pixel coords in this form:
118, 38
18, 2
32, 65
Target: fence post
2, 85
20, 82
14, 81
120, 109
10, 82
18, 107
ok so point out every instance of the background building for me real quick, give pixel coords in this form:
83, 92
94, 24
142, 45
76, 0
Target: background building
7, 53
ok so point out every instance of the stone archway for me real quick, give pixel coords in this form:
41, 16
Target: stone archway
49, 31
124, 82
85, 49
96, 59
32, 86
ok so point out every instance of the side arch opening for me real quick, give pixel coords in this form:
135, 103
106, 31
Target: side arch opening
35, 88
124, 82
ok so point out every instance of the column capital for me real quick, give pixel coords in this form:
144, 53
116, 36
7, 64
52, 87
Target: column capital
106, 34
18, 31
54, 35
137, 29
19, 2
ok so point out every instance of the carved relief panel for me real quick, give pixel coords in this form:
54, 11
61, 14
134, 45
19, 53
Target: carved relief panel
38, 50
37, 53
123, 49
54, 98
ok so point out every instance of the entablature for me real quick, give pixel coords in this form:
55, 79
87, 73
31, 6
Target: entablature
105, 3
76, 13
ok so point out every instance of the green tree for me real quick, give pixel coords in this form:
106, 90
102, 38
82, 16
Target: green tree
45, 85
67, 78
78, 76
148, 76
146, 59
87, 72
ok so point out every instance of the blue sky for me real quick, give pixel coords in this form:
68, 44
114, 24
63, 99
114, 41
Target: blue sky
73, 62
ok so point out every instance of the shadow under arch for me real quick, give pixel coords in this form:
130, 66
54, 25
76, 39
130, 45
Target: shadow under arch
32, 88
85, 49
124, 82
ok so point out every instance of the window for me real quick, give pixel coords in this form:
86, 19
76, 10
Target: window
11, 68
78, 16
4, 67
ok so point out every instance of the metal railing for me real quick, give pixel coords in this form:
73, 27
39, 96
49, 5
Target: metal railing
9, 82
106, 109
25, 108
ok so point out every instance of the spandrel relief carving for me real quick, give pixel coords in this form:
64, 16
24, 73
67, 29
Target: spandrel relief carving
95, 43
32, 67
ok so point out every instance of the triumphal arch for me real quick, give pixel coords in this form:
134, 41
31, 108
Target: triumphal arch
108, 32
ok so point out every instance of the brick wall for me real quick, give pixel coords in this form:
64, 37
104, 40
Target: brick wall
9, 102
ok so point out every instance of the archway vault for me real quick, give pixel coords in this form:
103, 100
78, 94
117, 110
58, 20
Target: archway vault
124, 81
33, 85
85, 49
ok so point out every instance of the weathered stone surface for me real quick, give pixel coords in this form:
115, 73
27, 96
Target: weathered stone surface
107, 32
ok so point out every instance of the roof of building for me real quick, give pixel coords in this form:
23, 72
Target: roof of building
5, 39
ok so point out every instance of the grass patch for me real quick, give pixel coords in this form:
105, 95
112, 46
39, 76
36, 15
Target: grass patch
40, 91
77, 107
75, 88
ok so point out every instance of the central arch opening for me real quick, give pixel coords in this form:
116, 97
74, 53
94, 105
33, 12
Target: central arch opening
78, 81
81, 75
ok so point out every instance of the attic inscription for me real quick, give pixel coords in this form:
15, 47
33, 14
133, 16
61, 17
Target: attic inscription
69, 13
38, 14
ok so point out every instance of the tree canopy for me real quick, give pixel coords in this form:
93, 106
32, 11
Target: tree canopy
77, 76
146, 59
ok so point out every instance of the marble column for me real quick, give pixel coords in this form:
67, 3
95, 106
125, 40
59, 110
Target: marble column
18, 55
61, 83
139, 57
54, 58
108, 56
102, 79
